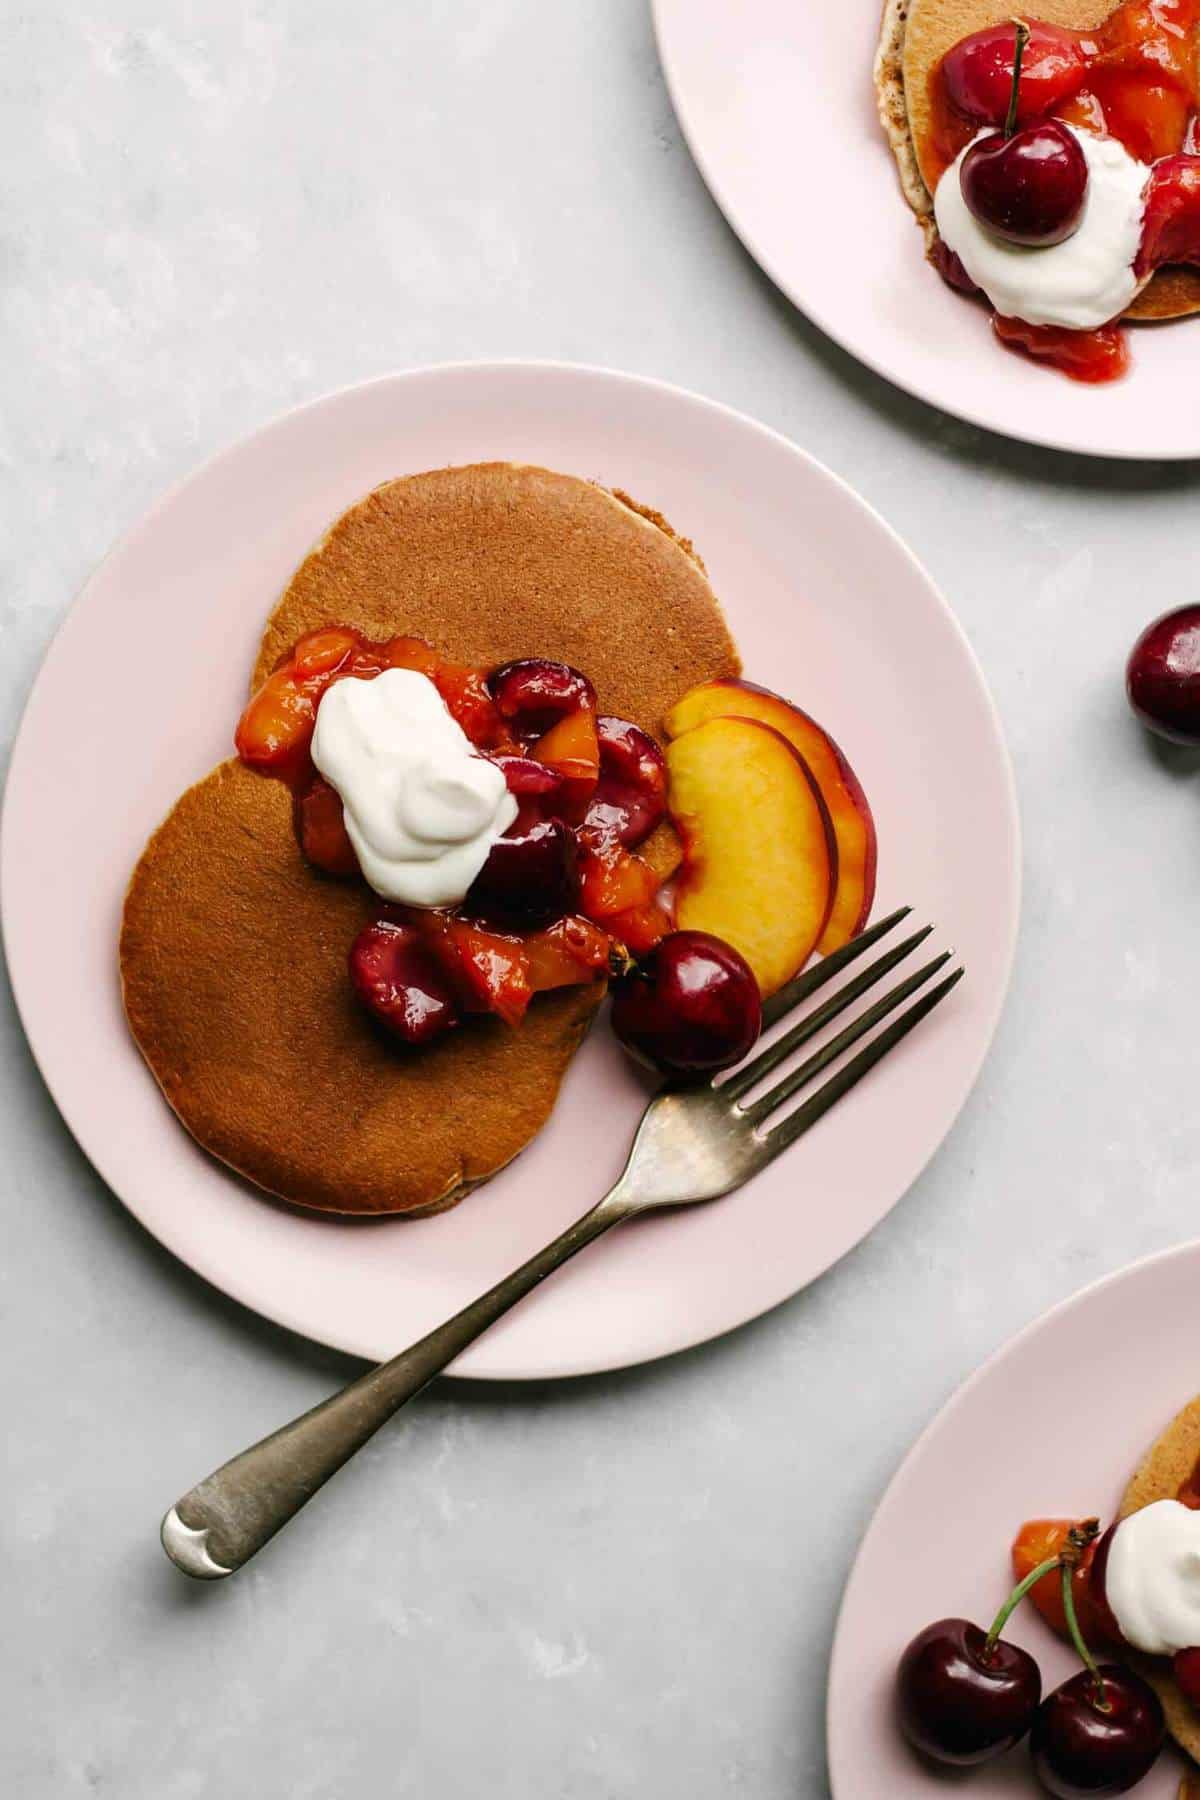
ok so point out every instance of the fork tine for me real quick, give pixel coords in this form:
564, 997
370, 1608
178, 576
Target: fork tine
795, 1079
789, 1129
744, 1078
803, 985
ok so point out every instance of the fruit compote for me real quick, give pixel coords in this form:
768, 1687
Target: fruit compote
562, 898
1134, 78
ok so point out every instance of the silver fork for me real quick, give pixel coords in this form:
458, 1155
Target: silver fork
695, 1142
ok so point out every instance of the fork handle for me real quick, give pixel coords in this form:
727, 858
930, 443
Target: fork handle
219, 1524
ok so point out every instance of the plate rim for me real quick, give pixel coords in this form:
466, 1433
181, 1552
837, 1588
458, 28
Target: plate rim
961, 1395
471, 369
826, 322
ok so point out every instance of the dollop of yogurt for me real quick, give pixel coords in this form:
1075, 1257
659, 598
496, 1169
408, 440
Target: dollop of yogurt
422, 808
1081, 283
1152, 1582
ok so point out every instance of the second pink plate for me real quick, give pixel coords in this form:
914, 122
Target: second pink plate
1051, 1427
138, 698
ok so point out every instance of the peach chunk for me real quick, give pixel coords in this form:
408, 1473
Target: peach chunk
853, 825
759, 854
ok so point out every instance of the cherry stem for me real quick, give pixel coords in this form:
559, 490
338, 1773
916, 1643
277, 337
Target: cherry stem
1080, 1537
1010, 122
1015, 1598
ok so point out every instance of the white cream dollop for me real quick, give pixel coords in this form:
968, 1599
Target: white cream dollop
1081, 283
1152, 1582
422, 808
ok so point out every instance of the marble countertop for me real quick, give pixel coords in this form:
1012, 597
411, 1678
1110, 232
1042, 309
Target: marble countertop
624, 1585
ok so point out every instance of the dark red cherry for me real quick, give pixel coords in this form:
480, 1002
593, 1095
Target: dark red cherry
692, 1006
949, 266
1101, 1619
1092, 1737
1171, 214
530, 876
526, 777
401, 985
535, 692
1028, 188
959, 1702
978, 73
1185, 1666
1162, 677
631, 794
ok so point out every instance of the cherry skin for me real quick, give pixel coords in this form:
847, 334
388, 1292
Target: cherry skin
1029, 188
1102, 1620
957, 1702
1080, 1750
400, 984
1185, 1666
631, 794
977, 73
526, 777
691, 1007
531, 875
1162, 677
534, 693
1171, 214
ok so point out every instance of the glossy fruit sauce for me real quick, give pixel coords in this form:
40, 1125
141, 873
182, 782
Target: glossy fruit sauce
1133, 77
562, 895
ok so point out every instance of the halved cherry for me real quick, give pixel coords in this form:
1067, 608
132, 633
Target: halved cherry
401, 984
527, 778
631, 793
1171, 215
978, 73
534, 692
530, 876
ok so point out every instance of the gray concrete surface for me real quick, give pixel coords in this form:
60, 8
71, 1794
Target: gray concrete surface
625, 1586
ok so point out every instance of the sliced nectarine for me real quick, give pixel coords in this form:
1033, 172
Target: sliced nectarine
759, 854
853, 825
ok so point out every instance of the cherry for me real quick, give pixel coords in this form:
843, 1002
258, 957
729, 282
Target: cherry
978, 74
1162, 677
631, 794
1028, 188
692, 1006
531, 874
1101, 1617
1097, 1734
533, 693
1171, 214
400, 983
526, 776
962, 1696
949, 266
1185, 1666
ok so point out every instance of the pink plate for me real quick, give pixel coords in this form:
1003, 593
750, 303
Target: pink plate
1075, 1399
778, 106
139, 695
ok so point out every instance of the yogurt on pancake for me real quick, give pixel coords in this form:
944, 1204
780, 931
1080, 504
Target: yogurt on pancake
1152, 1582
422, 807
1079, 284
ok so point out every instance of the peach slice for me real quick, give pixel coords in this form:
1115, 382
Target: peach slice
853, 824
759, 854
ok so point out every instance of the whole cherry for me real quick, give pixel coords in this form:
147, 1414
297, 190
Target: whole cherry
1097, 1734
1102, 1730
689, 1008
964, 1696
1026, 186
1162, 677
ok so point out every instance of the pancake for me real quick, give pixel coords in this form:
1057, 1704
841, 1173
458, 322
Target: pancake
233, 950
914, 37
1163, 1470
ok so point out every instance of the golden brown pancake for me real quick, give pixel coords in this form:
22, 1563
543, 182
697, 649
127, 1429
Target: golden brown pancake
233, 950
915, 35
1163, 1470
